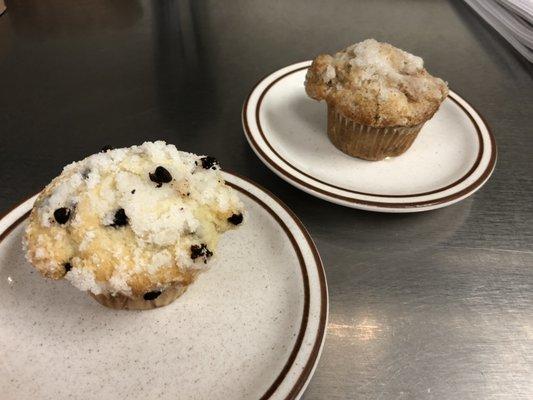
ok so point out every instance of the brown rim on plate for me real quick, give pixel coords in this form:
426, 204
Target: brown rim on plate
315, 351
284, 173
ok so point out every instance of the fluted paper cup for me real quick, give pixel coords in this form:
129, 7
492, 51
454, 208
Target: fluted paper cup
369, 142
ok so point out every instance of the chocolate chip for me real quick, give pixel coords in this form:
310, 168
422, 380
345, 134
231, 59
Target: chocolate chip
68, 267
62, 215
235, 219
160, 176
133, 191
85, 173
151, 295
209, 162
106, 148
200, 251
120, 218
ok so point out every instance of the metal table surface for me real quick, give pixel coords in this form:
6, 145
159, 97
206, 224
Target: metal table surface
437, 305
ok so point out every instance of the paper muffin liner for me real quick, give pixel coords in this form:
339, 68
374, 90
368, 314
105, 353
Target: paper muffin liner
121, 302
369, 142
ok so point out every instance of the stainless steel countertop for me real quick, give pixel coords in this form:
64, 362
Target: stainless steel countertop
437, 305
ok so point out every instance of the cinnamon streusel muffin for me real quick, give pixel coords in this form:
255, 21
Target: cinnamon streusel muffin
132, 226
378, 98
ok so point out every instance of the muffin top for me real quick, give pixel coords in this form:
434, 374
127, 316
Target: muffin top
131, 220
376, 84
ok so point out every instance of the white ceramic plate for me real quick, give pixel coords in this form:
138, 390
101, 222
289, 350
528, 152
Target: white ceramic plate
250, 328
453, 156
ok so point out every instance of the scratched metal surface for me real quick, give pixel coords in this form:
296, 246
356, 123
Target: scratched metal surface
431, 306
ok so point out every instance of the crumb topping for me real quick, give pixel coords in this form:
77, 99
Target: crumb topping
376, 84
127, 220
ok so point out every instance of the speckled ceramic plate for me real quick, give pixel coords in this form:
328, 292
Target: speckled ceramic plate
250, 328
452, 157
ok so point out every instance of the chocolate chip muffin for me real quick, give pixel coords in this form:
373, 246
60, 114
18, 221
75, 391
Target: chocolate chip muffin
378, 98
132, 226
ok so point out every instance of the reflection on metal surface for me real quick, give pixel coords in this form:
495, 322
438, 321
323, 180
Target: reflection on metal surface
62, 18
365, 329
421, 231
184, 77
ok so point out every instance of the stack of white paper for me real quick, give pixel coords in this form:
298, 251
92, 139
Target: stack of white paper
513, 19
